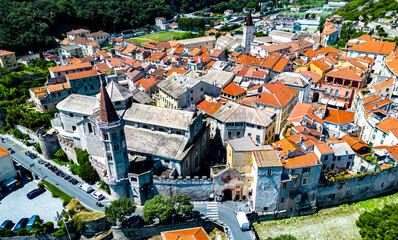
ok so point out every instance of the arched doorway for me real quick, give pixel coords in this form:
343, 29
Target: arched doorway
227, 195
315, 97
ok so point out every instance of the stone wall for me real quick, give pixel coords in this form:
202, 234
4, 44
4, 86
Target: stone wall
198, 188
25, 130
359, 188
49, 143
155, 230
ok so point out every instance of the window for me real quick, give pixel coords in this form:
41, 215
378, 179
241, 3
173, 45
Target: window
304, 181
282, 200
71, 115
326, 157
350, 157
90, 127
382, 142
110, 158
229, 134
116, 147
105, 136
238, 134
269, 172
73, 128
133, 179
258, 138
107, 148
284, 185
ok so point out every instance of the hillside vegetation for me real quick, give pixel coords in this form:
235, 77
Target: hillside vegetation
368, 10
32, 25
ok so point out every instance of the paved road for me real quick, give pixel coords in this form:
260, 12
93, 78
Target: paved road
43, 172
225, 215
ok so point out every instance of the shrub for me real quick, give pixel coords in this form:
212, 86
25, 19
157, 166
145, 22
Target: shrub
49, 226
6, 232
22, 232
38, 148
57, 193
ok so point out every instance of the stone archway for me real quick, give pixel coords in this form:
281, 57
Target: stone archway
315, 97
227, 195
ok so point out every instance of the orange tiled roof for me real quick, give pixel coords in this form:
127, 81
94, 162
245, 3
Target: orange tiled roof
327, 50
370, 99
284, 146
323, 148
384, 84
282, 63
387, 124
147, 83
216, 53
58, 87
84, 74
280, 94
186, 234
271, 60
3, 151
63, 68
321, 64
210, 107
377, 47
177, 70
365, 37
102, 67
233, 89
338, 116
306, 160
315, 76
346, 73
194, 52
310, 53
246, 59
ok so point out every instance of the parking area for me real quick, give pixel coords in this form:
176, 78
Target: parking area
16, 205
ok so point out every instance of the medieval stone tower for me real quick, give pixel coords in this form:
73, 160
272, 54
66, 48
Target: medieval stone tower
114, 147
248, 33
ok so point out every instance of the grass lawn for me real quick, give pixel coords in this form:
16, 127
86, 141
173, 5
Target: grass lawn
160, 36
331, 223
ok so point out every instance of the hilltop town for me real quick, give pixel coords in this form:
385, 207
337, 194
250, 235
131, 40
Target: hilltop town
282, 113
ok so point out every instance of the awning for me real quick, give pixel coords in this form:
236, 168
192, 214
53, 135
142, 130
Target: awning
10, 182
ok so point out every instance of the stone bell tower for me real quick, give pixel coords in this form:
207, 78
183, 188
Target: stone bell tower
248, 33
114, 147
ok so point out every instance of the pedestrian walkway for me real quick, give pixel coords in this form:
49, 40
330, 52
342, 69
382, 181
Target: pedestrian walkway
212, 210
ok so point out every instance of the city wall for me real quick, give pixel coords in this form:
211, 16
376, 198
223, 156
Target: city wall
199, 188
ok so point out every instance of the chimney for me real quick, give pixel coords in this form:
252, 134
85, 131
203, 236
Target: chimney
301, 138
288, 153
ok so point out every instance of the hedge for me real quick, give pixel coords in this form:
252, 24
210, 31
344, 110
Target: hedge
57, 193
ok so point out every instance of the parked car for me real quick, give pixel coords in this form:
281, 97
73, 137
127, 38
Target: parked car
97, 195
21, 224
31, 221
7, 224
11, 150
36, 192
85, 187
99, 204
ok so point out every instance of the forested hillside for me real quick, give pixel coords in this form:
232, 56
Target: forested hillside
32, 24
369, 10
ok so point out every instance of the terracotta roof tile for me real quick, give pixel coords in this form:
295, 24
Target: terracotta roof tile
280, 94
63, 68
377, 47
384, 84
282, 63
387, 124
233, 89
84, 74
58, 87
338, 116
177, 70
309, 159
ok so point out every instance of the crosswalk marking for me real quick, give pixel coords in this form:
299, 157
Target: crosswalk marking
212, 210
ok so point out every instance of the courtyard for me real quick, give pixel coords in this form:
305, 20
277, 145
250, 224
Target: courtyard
16, 205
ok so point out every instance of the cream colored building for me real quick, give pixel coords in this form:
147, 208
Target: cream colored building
7, 169
8, 60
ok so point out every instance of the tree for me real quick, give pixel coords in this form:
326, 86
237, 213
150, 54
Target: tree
158, 207
88, 173
5, 232
379, 224
22, 232
251, 5
218, 34
38, 227
322, 23
61, 155
119, 210
182, 204
313, 15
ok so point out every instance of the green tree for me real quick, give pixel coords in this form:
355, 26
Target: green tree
218, 34
379, 223
88, 173
5, 232
22, 232
251, 4
313, 15
82, 156
119, 210
37, 147
182, 204
159, 207
61, 155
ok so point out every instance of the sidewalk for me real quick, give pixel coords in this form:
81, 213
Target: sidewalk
236, 206
64, 168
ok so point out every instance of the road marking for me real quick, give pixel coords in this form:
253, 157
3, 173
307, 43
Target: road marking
13, 144
22, 151
212, 210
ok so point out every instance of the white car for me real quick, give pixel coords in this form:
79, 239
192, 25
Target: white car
97, 195
85, 187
